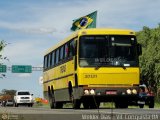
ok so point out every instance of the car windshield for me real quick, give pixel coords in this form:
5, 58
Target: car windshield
23, 93
111, 50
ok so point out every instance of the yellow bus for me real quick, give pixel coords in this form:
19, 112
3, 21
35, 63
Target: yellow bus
93, 66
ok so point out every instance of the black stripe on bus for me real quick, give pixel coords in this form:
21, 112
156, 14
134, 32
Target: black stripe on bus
59, 78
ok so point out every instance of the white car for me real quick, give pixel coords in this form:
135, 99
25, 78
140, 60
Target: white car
23, 98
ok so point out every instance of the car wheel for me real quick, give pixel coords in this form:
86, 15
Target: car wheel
151, 103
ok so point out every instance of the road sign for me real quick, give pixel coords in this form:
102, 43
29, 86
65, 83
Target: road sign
21, 69
3, 68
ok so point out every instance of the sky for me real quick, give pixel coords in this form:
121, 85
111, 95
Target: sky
30, 27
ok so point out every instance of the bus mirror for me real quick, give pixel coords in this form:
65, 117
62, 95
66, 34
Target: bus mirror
139, 49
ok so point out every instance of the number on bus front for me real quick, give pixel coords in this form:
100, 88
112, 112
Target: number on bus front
90, 76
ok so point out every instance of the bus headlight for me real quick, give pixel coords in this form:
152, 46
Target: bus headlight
129, 91
86, 92
92, 92
134, 91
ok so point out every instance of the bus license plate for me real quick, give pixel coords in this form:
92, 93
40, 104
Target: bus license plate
111, 92
141, 102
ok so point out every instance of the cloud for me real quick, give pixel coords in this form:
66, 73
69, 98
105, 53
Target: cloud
37, 30
50, 17
128, 14
25, 52
23, 28
24, 75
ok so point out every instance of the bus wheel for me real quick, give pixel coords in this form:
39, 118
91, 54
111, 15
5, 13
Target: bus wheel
94, 104
141, 106
76, 104
58, 105
86, 105
97, 104
116, 104
123, 105
52, 102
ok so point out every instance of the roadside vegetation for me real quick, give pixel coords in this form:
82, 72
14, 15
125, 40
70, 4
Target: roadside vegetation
2, 46
149, 38
7, 94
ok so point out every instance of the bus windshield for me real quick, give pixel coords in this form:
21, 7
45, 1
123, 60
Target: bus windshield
108, 50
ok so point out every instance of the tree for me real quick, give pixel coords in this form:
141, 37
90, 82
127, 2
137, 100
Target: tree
2, 45
150, 59
8, 94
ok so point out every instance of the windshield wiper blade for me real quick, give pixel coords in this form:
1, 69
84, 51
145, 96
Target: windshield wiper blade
98, 66
122, 65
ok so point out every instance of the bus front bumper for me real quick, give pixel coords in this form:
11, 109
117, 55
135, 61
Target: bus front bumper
129, 95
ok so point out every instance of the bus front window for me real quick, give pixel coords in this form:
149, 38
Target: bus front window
122, 50
117, 50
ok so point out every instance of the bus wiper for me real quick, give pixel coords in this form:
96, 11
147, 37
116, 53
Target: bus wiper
98, 66
122, 65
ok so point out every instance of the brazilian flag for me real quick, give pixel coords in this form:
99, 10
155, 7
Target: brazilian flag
88, 21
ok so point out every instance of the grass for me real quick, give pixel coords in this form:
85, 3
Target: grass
157, 103
40, 105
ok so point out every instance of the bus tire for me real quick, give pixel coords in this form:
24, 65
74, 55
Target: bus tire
116, 104
141, 106
94, 104
52, 102
70, 90
123, 104
86, 105
76, 104
51, 97
58, 105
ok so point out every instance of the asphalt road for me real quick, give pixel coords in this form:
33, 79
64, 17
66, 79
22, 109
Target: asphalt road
26, 113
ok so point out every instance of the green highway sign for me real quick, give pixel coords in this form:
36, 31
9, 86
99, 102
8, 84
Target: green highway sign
21, 69
3, 68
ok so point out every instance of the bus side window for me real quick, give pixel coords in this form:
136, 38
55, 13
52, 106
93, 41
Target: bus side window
57, 56
53, 58
49, 60
45, 62
62, 53
71, 48
66, 51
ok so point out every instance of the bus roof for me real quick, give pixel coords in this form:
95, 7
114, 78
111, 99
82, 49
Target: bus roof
91, 31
